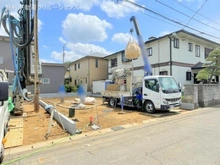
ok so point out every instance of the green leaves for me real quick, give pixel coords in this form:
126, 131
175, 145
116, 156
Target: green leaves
212, 65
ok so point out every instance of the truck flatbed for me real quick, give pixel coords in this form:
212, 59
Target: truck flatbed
115, 94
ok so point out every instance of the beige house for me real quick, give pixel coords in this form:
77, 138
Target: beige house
88, 69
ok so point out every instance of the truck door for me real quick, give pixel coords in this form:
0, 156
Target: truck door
151, 91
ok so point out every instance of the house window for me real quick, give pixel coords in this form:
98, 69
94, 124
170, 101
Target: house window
197, 50
188, 76
75, 66
176, 43
207, 51
163, 73
78, 65
75, 82
45, 81
96, 63
190, 47
1, 59
149, 51
114, 62
123, 58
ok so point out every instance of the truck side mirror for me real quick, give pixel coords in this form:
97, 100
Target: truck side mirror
3, 91
180, 85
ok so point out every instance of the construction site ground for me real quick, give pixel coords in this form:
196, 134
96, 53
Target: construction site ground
32, 127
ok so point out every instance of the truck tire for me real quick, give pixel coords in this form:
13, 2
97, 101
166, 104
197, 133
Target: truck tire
149, 107
139, 105
112, 102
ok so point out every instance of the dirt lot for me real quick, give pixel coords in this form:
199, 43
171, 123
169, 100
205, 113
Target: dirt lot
36, 124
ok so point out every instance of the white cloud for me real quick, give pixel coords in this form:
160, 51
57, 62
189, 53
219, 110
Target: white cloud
40, 24
80, 4
85, 28
45, 46
164, 33
78, 50
118, 10
71, 4
121, 37
46, 61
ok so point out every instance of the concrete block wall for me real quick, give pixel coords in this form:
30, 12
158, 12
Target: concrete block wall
208, 94
190, 99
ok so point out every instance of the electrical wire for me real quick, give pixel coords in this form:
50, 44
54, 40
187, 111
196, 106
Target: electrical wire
147, 14
172, 20
195, 13
186, 15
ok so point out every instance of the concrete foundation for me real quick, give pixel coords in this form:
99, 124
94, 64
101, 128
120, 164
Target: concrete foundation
68, 124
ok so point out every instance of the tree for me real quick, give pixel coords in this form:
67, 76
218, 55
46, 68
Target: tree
212, 66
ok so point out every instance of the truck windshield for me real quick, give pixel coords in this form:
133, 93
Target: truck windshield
168, 85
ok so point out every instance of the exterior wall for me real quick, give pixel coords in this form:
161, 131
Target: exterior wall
202, 95
88, 71
55, 73
165, 57
99, 73
209, 95
179, 73
80, 75
190, 99
6, 54
67, 74
183, 54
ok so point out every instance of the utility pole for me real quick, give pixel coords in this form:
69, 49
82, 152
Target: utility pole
63, 52
36, 57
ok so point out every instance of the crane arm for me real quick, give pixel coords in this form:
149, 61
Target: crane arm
147, 65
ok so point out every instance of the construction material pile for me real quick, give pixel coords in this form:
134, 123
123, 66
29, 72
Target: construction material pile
120, 73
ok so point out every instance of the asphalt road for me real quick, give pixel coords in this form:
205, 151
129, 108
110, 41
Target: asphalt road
186, 139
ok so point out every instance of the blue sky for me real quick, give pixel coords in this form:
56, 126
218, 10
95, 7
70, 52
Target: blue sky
90, 26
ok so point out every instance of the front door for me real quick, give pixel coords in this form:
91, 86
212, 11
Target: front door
151, 92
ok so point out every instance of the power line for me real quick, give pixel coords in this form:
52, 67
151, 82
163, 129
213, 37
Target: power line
147, 14
172, 20
186, 15
195, 13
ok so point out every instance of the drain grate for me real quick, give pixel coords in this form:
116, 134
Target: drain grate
117, 128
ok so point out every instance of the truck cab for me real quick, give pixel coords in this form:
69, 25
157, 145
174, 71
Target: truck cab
4, 112
160, 93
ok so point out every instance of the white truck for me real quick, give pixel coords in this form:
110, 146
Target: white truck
153, 93
4, 112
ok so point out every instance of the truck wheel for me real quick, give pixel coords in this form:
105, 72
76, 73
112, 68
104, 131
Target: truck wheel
139, 105
112, 102
149, 107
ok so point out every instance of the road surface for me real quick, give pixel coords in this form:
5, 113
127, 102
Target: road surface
191, 138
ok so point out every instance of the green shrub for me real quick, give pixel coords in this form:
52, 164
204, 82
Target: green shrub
70, 88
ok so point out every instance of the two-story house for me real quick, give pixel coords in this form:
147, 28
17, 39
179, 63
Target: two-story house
87, 69
51, 75
180, 54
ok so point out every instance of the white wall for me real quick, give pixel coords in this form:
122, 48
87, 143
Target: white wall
179, 73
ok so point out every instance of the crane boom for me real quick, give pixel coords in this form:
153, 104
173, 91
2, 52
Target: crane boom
147, 66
